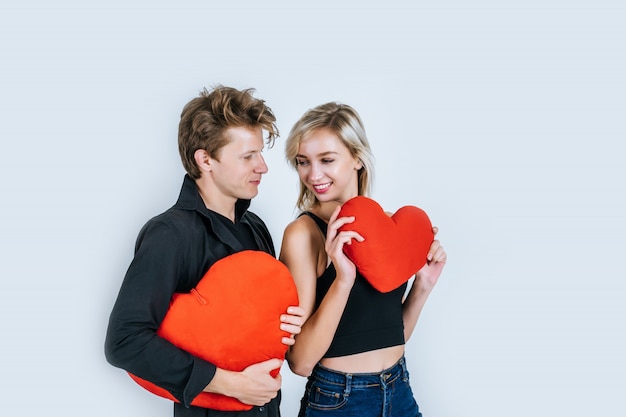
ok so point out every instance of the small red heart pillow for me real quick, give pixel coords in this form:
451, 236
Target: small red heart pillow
394, 248
252, 289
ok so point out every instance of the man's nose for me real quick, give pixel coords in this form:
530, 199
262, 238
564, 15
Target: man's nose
262, 166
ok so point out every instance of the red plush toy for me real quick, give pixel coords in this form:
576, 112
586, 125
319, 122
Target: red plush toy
394, 248
231, 319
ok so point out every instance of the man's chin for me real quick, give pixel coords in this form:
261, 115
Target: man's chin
249, 195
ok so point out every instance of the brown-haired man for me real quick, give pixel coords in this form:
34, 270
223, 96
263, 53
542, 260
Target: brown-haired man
220, 141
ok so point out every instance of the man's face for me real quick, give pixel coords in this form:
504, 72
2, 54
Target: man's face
238, 171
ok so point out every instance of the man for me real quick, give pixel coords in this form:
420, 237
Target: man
220, 141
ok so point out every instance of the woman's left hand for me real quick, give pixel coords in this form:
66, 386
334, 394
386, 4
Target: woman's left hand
427, 277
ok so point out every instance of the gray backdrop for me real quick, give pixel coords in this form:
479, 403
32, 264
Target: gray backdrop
502, 119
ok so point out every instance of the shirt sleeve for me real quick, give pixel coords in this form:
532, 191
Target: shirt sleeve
131, 341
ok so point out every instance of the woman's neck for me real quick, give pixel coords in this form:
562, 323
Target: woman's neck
325, 210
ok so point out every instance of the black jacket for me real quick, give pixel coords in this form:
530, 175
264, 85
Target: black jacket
172, 253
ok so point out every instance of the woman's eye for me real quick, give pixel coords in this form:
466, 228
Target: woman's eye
327, 161
301, 163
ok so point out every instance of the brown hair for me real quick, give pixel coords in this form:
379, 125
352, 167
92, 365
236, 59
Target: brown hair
205, 118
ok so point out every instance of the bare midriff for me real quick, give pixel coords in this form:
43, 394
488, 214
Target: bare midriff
366, 362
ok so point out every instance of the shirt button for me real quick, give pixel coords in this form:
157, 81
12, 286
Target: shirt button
261, 409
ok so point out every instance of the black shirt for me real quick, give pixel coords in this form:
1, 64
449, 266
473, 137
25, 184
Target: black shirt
172, 253
371, 319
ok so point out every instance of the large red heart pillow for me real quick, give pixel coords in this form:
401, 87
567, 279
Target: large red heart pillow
395, 247
252, 289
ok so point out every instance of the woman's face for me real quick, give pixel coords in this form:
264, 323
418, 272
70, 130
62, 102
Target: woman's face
326, 167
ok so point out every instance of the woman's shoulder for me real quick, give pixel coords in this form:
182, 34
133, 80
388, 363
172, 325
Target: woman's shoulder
302, 247
303, 227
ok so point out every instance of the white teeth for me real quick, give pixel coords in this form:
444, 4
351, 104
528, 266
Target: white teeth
322, 187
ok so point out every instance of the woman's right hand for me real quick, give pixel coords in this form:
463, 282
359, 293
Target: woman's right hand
346, 270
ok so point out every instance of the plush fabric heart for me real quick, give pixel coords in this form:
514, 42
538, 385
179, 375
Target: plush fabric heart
394, 248
231, 319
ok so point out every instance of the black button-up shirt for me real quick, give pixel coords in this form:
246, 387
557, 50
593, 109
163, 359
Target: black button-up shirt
172, 253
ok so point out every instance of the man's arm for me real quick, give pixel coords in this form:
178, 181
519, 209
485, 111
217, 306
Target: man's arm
143, 300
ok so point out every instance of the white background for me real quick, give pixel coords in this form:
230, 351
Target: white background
502, 119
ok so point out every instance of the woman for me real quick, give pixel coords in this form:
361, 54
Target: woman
351, 346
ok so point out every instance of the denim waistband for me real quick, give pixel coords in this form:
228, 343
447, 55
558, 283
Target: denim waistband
357, 380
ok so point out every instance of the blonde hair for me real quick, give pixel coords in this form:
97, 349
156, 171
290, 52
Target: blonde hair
205, 118
346, 123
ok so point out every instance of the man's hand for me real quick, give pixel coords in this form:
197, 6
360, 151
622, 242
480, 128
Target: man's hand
292, 323
254, 385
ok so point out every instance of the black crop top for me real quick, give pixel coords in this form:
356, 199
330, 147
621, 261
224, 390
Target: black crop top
371, 320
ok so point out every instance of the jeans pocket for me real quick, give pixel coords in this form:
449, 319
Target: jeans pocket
325, 398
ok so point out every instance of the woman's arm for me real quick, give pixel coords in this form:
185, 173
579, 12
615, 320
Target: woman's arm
303, 249
425, 280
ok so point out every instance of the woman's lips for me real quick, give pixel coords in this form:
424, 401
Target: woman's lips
321, 188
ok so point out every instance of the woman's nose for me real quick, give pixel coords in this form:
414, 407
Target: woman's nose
316, 172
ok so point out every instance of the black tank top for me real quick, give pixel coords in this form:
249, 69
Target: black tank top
371, 320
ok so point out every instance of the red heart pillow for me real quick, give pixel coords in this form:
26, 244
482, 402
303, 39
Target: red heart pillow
252, 289
394, 248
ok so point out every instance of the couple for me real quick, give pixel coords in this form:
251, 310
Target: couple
220, 140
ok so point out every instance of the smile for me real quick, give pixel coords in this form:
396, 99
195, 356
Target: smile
320, 188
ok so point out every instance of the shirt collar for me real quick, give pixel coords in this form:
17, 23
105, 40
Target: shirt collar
190, 199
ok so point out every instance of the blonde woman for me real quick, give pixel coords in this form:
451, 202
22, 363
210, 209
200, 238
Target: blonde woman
351, 346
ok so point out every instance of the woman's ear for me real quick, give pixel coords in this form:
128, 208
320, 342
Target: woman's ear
203, 160
359, 164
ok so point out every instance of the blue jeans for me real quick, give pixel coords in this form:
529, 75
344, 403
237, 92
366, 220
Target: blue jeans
337, 394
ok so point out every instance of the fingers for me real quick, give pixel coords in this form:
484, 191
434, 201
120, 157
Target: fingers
335, 224
288, 341
336, 239
293, 320
330, 232
292, 323
440, 256
432, 250
295, 311
333, 216
258, 386
436, 253
268, 365
292, 329
346, 237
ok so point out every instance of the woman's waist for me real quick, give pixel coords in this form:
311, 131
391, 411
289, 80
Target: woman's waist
373, 361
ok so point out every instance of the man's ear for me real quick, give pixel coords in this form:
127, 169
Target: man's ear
203, 160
